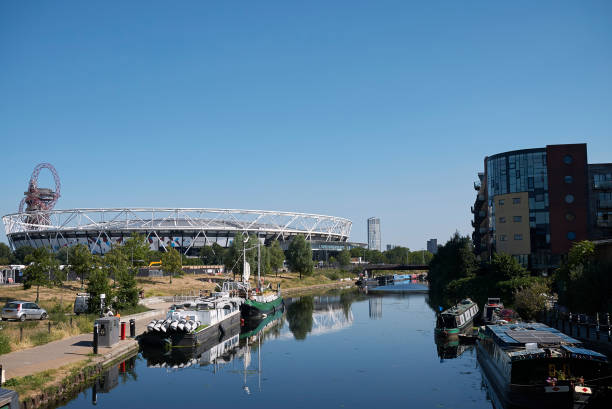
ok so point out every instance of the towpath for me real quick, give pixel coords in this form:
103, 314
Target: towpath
74, 349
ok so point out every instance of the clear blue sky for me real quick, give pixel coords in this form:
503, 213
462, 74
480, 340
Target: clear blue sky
354, 108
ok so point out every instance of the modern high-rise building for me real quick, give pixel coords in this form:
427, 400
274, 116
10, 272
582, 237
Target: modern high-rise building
534, 203
432, 246
374, 233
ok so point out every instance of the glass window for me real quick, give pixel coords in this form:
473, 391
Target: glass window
568, 179
571, 235
518, 237
568, 159
502, 220
501, 202
502, 237
569, 216
569, 198
516, 219
516, 200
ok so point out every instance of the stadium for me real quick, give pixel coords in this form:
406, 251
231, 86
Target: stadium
185, 229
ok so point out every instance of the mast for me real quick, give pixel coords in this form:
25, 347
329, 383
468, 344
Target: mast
258, 263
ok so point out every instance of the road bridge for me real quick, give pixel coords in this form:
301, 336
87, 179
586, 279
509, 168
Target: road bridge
369, 268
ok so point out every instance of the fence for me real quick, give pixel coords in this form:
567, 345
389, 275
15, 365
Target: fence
587, 327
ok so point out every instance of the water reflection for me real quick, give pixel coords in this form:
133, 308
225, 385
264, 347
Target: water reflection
375, 304
316, 315
450, 347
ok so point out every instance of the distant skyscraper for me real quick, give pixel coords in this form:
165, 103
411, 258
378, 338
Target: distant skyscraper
374, 233
432, 246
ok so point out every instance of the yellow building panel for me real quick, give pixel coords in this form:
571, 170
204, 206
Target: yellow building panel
512, 223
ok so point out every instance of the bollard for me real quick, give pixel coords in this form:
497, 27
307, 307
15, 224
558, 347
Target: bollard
597, 327
1, 375
70, 321
20, 334
49, 326
95, 339
122, 330
132, 327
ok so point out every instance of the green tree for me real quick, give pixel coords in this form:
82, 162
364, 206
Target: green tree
116, 263
21, 254
397, 255
332, 261
171, 263
136, 250
6, 255
375, 257
357, 252
233, 256
530, 300
504, 267
97, 285
212, 255
277, 256
127, 291
344, 258
81, 261
299, 256
43, 269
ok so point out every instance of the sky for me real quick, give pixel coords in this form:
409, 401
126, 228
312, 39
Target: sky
346, 108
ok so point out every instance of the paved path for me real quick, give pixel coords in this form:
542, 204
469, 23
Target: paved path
70, 350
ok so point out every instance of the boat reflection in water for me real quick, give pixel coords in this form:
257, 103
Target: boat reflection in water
219, 351
123, 371
450, 348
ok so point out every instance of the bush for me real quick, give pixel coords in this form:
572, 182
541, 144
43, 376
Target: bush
5, 344
531, 299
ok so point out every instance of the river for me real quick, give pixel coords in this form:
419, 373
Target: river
336, 350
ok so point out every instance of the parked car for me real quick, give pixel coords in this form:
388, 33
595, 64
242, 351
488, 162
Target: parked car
23, 310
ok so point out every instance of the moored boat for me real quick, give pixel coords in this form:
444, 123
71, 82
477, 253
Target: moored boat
195, 322
531, 365
456, 319
491, 310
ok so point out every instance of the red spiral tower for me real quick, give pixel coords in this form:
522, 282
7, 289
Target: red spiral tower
40, 200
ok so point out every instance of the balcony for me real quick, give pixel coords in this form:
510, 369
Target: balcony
604, 203
477, 186
482, 214
483, 230
603, 185
480, 198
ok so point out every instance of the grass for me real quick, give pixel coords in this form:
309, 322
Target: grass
29, 384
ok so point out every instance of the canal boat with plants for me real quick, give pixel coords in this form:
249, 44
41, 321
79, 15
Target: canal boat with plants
195, 322
531, 365
491, 310
456, 319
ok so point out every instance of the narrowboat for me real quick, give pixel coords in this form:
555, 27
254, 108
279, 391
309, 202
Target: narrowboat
456, 319
491, 310
531, 365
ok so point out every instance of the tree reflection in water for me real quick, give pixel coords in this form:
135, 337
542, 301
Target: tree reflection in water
299, 316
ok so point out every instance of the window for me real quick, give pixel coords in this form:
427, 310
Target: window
568, 159
516, 200
569, 199
502, 237
518, 237
569, 216
571, 235
568, 179
516, 219
501, 202
502, 220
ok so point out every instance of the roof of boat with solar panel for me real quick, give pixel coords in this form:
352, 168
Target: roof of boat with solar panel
523, 333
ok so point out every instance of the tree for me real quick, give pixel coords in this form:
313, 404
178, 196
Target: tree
136, 250
97, 285
299, 315
21, 253
397, 255
81, 261
299, 256
212, 255
171, 262
6, 255
116, 263
127, 292
375, 257
43, 270
358, 252
277, 256
531, 300
233, 256
344, 258
504, 267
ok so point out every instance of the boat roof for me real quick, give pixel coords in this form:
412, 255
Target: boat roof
584, 353
521, 333
459, 308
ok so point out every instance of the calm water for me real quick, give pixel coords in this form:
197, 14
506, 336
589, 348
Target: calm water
330, 351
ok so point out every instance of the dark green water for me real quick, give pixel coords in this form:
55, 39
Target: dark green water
331, 351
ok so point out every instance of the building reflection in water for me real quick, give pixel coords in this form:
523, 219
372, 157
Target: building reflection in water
375, 308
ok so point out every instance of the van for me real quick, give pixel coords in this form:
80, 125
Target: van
81, 303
